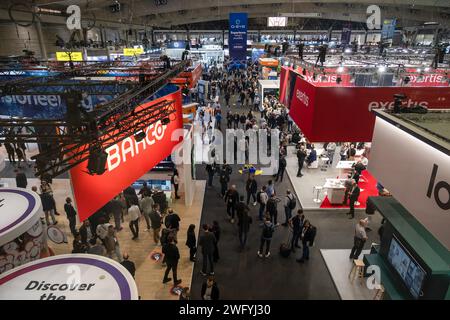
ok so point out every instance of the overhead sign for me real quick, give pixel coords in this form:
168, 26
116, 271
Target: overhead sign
69, 277
416, 174
238, 36
277, 21
302, 14
132, 51
69, 56
346, 34
388, 30
127, 161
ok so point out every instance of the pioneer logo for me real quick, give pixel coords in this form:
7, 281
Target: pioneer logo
390, 104
302, 97
129, 147
434, 189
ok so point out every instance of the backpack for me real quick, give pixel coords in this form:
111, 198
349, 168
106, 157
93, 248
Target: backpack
292, 203
258, 197
267, 231
271, 205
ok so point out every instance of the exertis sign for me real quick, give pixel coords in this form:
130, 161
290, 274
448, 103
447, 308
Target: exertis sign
127, 161
238, 36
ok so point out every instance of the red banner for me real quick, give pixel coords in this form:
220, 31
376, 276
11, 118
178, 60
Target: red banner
344, 113
127, 161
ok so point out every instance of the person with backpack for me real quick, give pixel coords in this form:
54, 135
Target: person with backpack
290, 203
231, 199
296, 224
308, 235
251, 187
262, 198
266, 237
281, 168
272, 208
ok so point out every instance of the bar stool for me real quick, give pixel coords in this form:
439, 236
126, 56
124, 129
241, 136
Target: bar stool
357, 271
318, 189
379, 293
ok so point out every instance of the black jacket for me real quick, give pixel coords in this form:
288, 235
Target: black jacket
214, 291
301, 155
207, 242
232, 196
70, 211
83, 233
172, 221
309, 236
21, 180
171, 253
251, 186
129, 266
355, 194
191, 241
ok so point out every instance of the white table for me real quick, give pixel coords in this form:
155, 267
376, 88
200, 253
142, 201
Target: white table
345, 167
335, 190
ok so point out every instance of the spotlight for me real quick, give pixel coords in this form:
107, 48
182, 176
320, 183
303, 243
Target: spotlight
97, 161
348, 50
419, 70
139, 136
340, 69
165, 121
427, 69
381, 69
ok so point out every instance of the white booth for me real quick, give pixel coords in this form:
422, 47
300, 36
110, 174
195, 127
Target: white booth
267, 87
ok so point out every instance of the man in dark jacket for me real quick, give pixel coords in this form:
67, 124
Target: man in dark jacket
308, 235
244, 221
301, 156
129, 265
155, 219
207, 242
231, 199
296, 223
251, 187
353, 196
71, 215
172, 255
210, 291
21, 179
86, 232
281, 168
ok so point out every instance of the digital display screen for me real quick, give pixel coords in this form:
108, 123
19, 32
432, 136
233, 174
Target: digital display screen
408, 269
277, 21
163, 185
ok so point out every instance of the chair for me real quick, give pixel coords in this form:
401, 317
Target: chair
317, 189
379, 293
357, 271
314, 165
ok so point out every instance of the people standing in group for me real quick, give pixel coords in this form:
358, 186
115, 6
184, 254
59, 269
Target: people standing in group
251, 187
290, 202
210, 290
296, 223
175, 181
156, 222
191, 242
207, 243
262, 198
71, 215
135, 214
112, 244
353, 197
231, 199
21, 179
308, 236
172, 255
266, 237
359, 238
128, 264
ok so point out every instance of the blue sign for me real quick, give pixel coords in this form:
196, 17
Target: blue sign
177, 45
388, 29
237, 39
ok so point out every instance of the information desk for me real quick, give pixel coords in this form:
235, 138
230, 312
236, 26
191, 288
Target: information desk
335, 190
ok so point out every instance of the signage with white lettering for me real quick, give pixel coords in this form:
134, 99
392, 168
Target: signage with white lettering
417, 175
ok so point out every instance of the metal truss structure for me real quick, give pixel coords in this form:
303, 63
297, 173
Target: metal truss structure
64, 143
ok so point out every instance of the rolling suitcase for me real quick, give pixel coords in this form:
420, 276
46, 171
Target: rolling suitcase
285, 247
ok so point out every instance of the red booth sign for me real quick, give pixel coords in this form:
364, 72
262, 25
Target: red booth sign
127, 161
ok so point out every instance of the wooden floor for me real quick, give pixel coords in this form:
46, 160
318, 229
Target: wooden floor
149, 274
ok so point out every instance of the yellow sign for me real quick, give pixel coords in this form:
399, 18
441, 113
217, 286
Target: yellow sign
132, 51
67, 56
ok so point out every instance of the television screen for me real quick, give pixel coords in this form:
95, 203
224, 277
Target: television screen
408, 268
277, 21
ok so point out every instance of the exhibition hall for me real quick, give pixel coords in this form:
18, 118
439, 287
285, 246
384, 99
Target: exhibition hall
265, 151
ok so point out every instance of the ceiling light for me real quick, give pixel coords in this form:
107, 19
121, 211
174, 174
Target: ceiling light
419, 70
340, 69
381, 69
427, 69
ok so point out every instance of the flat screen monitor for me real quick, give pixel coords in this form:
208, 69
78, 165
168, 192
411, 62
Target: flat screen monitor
407, 267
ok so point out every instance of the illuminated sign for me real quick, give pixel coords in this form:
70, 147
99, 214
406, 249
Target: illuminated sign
69, 56
132, 51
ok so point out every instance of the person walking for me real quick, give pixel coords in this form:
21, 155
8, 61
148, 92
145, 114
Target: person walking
210, 290
156, 222
301, 156
134, 213
210, 171
262, 198
146, 204
21, 179
224, 179
308, 235
215, 229
244, 221
296, 224
231, 199
175, 180
71, 215
129, 265
11, 153
251, 187
206, 241
353, 196
112, 243
116, 206
172, 221
359, 238
290, 203
266, 237
281, 169
191, 242
172, 255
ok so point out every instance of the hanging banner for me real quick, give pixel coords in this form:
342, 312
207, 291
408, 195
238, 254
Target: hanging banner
127, 161
132, 51
237, 40
69, 56
388, 30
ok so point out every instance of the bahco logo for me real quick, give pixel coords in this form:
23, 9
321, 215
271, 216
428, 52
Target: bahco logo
302, 97
390, 104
